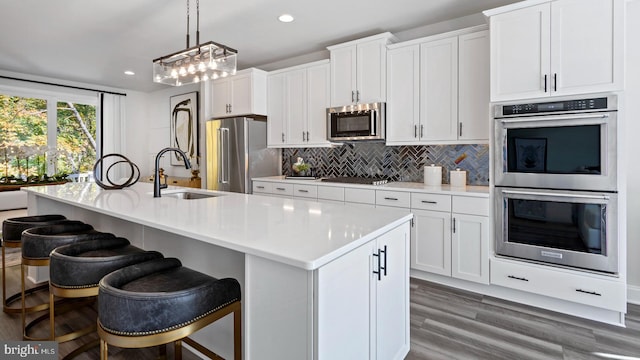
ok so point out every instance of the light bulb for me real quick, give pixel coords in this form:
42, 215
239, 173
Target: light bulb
174, 73
191, 69
182, 71
196, 79
205, 77
224, 74
213, 65
214, 76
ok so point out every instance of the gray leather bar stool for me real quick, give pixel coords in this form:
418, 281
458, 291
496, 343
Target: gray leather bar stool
37, 244
76, 269
160, 301
11, 237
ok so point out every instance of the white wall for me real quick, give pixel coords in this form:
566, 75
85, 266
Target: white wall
156, 131
632, 167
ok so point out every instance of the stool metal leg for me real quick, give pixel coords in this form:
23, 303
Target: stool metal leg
104, 351
237, 333
177, 349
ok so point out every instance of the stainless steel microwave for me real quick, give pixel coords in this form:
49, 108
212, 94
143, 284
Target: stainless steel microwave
356, 122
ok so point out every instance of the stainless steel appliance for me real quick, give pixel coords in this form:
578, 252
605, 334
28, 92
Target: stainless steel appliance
569, 228
356, 122
555, 171
567, 143
237, 151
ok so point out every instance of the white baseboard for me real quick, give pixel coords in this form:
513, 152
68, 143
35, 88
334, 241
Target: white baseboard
633, 294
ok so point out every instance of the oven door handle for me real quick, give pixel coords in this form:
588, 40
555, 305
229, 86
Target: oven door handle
553, 118
533, 193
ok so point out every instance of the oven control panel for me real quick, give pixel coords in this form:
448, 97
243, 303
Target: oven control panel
555, 106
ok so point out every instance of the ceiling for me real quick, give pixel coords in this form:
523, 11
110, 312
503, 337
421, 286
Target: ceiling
94, 42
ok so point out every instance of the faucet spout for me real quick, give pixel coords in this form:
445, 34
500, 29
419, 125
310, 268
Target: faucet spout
156, 177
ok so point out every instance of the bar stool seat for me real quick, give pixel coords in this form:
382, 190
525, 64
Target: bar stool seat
160, 301
11, 237
76, 269
37, 245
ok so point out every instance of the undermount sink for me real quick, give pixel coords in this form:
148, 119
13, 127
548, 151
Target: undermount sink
186, 195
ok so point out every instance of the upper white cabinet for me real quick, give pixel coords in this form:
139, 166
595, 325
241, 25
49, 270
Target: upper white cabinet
298, 98
561, 47
244, 93
358, 70
438, 89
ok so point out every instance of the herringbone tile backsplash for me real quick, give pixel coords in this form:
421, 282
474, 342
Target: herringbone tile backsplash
395, 163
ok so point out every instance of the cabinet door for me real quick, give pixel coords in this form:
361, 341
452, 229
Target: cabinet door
276, 102
586, 46
403, 94
296, 106
520, 53
431, 242
470, 248
220, 100
439, 90
318, 93
371, 69
392, 295
343, 76
473, 86
344, 292
241, 95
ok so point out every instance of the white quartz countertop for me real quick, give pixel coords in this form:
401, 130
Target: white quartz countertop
469, 190
305, 234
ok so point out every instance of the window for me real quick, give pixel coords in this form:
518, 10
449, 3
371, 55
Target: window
45, 136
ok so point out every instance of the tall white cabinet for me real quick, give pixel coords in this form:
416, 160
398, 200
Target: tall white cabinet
297, 101
437, 89
358, 70
560, 47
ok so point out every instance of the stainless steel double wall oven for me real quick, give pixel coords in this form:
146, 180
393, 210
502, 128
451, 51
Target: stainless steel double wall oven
555, 176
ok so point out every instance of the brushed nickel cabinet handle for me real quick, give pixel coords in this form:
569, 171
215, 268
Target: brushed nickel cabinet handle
391, 198
429, 202
588, 292
303, 191
517, 278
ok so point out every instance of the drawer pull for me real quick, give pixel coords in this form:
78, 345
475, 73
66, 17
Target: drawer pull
281, 189
391, 198
260, 187
517, 278
588, 292
429, 202
303, 191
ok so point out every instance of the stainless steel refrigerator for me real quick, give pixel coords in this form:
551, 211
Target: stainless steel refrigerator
237, 151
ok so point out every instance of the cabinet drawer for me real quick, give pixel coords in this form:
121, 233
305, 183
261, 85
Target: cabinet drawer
305, 191
393, 198
331, 193
261, 187
435, 202
362, 196
282, 189
586, 289
470, 205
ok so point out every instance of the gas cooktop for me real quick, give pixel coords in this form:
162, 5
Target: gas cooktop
356, 180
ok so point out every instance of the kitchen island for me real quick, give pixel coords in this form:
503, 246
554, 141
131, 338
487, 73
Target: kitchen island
319, 281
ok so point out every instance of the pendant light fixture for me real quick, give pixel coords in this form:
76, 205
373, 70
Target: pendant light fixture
202, 62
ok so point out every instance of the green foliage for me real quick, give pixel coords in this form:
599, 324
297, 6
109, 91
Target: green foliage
24, 150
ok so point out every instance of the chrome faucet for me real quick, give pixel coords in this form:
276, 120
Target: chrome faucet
156, 179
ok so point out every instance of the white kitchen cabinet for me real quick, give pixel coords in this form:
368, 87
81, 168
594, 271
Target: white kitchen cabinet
358, 70
403, 94
470, 248
431, 242
297, 102
244, 93
473, 85
369, 286
438, 89
561, 47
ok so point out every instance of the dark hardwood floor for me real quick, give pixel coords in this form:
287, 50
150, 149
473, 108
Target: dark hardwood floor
445, 324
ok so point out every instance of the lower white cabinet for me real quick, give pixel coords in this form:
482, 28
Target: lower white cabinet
369, 286
452, 243
589, 289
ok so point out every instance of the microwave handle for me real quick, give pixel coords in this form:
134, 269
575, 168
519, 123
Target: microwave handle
551, 118
582, 196
373, 123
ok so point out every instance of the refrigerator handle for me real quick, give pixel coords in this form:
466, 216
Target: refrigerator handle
220, 147
224, 155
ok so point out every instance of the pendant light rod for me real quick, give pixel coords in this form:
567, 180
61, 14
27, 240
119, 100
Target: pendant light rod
197, 22
188, 45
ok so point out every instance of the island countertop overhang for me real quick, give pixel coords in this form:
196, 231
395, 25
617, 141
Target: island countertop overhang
299, 233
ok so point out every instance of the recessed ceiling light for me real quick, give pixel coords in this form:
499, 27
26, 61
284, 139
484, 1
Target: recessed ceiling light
129, 72
285, 18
